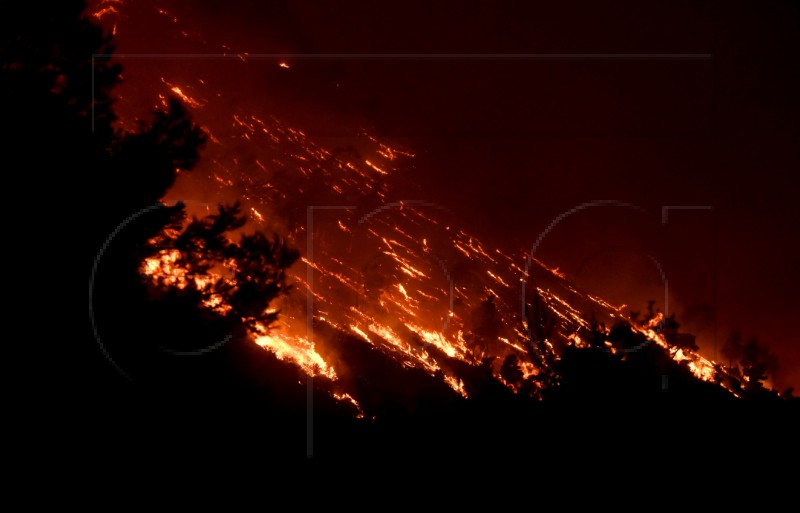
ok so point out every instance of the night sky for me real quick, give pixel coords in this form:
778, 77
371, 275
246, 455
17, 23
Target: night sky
519, 112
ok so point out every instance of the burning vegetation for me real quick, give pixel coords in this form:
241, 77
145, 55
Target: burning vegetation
366, 295
400, 277
297, 284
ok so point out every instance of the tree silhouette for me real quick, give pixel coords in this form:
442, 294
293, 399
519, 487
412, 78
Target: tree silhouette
58, 127
48, 73
144, 163
56, 103
242, 278
57, 75
732, 349
757, 362
486, 327
596, 335
260, 276
652, 312
510, 370
541, 321
540, 342
675, 339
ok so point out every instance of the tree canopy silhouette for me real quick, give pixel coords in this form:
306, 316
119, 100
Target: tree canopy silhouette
732, 349
675, 339
57, 79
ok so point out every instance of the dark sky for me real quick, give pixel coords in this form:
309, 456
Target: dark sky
511, 142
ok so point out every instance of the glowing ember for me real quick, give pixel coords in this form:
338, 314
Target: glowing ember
105, 10
376, 168
191, 101
257, 214
345, 397
528, 370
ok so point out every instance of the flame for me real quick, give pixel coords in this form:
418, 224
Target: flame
105, 7
456, 384
360, 332
416, 314
168, 15
402, 290
497, 279
185, 97
105, 10
165, 268
257, 214
452, 348
345, 397
297, 350
376, 168
701, 367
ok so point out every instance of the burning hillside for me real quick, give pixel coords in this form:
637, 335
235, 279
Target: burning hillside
400, 276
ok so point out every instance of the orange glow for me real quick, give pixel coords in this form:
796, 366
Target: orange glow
457, 385
453, 349
185, 97
105, 10
577, 341
528, 370
257, 214
402, 290
360, 332
511, 344
165, 268
299, 351
345, 397
376, 168
497, 279
165, 13
412, 311
701, 367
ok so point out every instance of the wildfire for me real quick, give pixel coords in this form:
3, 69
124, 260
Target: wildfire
453, 349
409, 306
298, 350
376, 168
456, 384
345, 397
360, 332
701, 367
166, 268
183, 96
104, 7
257, 214
403, 291
105, 10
